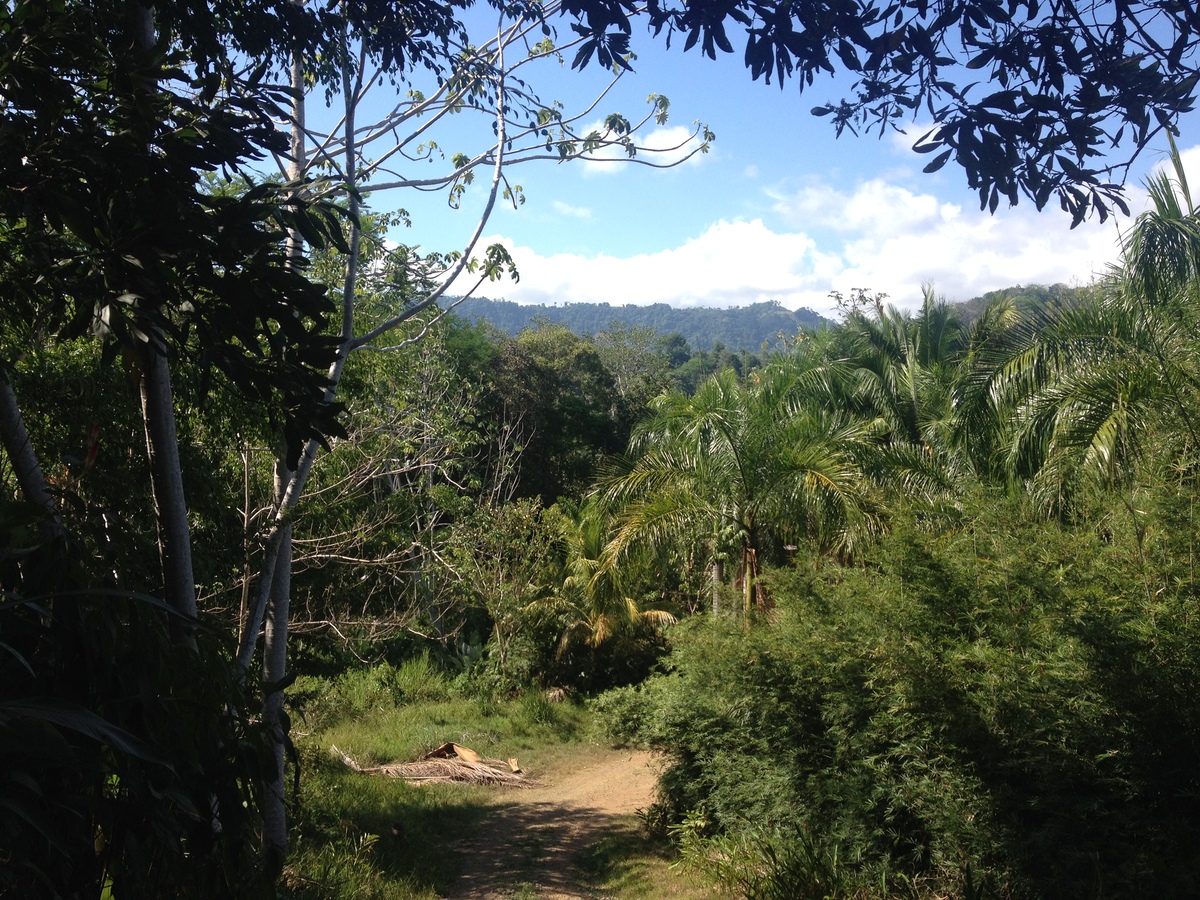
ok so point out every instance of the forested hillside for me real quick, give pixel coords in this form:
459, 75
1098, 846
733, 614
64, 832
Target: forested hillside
1029, 298
738, 328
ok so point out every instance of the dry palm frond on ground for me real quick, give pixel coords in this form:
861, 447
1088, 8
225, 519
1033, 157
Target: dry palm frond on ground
449, 763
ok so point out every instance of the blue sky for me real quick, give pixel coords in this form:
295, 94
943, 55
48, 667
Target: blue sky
779, 209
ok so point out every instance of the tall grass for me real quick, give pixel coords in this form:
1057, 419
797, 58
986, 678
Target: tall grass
371, 837
364, 690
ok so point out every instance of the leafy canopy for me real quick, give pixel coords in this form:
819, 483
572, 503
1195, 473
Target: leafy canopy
1046, 99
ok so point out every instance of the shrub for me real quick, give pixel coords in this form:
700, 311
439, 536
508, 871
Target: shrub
420, 680
358, 691
623, 714
991, 705
534, 708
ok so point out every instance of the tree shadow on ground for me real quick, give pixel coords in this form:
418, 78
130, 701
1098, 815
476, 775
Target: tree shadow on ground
539, 844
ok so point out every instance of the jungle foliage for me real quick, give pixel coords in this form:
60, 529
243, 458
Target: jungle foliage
530, 513
986, 700
992, 699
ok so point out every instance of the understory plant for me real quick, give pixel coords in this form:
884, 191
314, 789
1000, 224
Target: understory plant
984, 707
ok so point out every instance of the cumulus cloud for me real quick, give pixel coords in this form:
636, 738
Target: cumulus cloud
894, 251
892, 239
663, 146
566, 209
732, 263
880, 235
1191, 167
903, 139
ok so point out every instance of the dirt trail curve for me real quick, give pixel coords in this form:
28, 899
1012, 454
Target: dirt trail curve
530, 846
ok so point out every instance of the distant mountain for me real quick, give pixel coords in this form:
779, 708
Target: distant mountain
738, 327
1026, 297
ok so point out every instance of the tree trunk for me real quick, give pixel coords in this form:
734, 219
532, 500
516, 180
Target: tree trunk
280, 533
749, 571
277, 557
276, 585
162, 447
170, 504
717, 576
21, 454
753, 592
274, 672
247, 542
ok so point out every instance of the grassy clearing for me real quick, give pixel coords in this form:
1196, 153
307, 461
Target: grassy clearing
370, 837
630, 865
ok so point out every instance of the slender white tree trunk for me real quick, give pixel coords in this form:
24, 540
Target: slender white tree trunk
351, 86
275, 831
162, 451
21, 454
170, 503
280, 532
271, 605
276, 587
717, 578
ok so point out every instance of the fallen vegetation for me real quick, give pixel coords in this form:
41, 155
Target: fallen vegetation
450, 763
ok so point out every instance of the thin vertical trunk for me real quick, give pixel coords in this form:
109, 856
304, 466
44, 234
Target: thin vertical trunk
275, 574
754, 594
274, 671
21, 454
246, 541
717, 577
749, 570
277, 586
170, 504
280, 533
162, 448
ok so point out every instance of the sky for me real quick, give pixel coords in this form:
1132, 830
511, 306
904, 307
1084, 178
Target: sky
779, 209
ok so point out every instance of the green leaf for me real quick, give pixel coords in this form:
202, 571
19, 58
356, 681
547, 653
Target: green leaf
938, 162
75, 718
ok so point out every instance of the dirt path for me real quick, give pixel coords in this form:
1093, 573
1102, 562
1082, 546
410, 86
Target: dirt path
530, 847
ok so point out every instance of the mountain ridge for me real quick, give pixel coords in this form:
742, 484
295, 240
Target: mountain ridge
737, 328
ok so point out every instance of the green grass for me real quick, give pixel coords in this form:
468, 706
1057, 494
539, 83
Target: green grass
500, 730
342, 822
630, 865
344, 841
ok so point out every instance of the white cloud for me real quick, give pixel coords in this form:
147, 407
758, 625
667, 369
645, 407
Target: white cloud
892, 239
566, 209
875, 208
880, 236
732, 263
660, 146
1191, 168
903, 139
738, 263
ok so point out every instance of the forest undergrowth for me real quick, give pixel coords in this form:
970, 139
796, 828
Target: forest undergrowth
986, 706
573, 831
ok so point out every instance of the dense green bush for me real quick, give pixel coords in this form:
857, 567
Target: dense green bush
979, 706
364, 689
128, 765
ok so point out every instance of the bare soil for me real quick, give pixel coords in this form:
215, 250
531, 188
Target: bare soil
531, 846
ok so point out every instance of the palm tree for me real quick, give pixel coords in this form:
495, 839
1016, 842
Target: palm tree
908, 374
597, 596
756, 458
1081, 393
